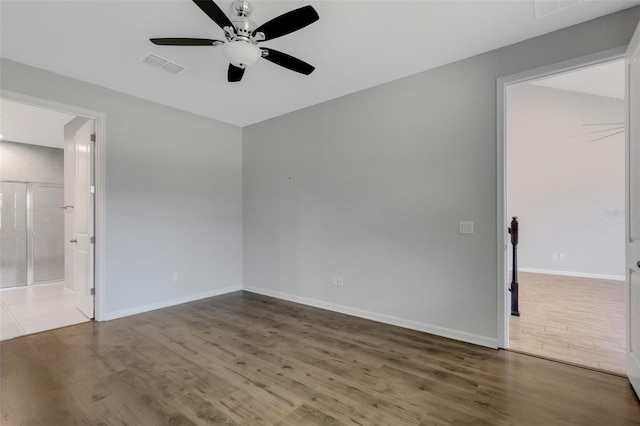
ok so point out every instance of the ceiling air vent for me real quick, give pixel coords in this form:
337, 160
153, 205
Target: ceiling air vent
173, 68
162, 63
548, 7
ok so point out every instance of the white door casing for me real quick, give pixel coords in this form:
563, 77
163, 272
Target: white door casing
633, 210
84, 220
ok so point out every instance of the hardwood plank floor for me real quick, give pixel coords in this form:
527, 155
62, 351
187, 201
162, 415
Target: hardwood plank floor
572, 319
247, 359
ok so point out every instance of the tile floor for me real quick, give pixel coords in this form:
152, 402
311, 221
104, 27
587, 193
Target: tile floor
26, 310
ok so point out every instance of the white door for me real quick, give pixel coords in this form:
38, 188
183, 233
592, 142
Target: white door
83, 220
633, 212
70, 130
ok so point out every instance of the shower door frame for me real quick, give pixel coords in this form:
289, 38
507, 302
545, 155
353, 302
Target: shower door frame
29, 230
29, 204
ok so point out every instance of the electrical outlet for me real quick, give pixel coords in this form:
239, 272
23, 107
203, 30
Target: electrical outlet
334, 279
340, 281
174, 277
465, 227
561, 257
554, 256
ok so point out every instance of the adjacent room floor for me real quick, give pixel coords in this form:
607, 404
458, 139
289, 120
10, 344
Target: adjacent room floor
30, 309
577, 320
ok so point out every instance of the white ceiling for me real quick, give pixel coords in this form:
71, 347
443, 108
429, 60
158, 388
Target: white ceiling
601, 80
354, 45
32, 125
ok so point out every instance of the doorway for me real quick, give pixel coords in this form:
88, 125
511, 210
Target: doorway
564, 178
43, 165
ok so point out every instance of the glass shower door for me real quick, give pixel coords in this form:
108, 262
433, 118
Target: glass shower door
13, 234
48, 232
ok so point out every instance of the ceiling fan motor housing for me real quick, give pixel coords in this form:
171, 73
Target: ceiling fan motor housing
242, 8
244, 27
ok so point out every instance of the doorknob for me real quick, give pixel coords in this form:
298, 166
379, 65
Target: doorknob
66, 207
73, 241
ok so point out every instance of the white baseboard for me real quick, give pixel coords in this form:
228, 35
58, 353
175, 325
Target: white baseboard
166, 303
573, 274
387, 319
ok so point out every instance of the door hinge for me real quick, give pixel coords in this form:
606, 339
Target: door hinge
92, 292
93, 137
92, 240
92, 189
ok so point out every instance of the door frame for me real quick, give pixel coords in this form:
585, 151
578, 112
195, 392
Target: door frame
502, 84
100, 120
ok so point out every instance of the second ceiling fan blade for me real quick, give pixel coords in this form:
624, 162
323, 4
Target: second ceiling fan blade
235, 73
288, 61
288, 22
185, 41
214, 12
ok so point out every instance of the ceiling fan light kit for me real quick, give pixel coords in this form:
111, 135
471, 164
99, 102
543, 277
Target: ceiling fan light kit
241, 53
242, 37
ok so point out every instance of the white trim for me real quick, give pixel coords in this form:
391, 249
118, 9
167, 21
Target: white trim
33, 286
502, 84
100, 182
166, 303
631, 245
374, 316
503, 305
572, 274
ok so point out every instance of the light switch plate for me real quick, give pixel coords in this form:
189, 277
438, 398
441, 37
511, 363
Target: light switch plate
466, 227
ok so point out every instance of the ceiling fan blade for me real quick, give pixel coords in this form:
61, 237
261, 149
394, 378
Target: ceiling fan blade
214, 12
288, 61
608, 136
597, 131
235, 73
288, 22
185, 41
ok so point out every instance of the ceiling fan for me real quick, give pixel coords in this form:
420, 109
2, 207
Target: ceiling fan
243, 36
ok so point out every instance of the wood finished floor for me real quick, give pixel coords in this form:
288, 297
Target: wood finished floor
247, 359
572, 319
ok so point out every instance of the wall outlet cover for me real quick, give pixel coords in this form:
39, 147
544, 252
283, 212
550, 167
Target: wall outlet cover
465, 227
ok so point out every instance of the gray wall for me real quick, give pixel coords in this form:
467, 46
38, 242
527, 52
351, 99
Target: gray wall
173, 193
371, 186
565, 188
